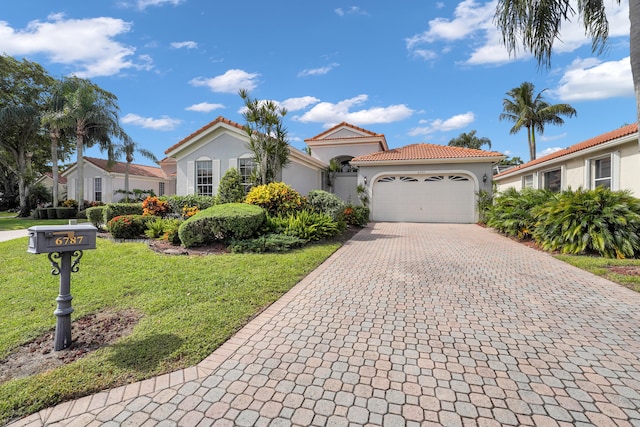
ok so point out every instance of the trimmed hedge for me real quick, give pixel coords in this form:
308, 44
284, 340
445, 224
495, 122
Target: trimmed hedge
113, 210
221, 222
65, 213
95, 215
128, 226
177, 203
324, 202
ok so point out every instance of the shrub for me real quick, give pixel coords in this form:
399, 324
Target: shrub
189, 211
154, 206
113, 210
324, 202
65, 213
177, 203
95, 215
231, 189
221, 222
267, 243
356, 215
277, 198
600, 220
163, 228
511, 212
127, 226
70, 203
307, 225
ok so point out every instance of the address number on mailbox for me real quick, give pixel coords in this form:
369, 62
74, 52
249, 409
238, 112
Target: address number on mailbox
61, 238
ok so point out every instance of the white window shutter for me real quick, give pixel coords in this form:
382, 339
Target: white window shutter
615, 170
216, 175
191, 176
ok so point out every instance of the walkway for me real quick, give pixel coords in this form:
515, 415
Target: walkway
409, 324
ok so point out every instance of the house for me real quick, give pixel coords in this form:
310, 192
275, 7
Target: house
421, 182
102, 180
47, 181
611, 160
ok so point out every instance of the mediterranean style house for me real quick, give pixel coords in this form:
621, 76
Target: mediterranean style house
610, 160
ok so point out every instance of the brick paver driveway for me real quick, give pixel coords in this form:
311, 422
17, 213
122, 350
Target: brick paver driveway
410, 324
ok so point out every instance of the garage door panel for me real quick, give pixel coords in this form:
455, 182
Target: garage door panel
424, 198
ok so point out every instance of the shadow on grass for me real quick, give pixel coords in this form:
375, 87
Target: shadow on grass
144, 355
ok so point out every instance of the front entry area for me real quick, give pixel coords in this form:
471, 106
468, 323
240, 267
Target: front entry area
437, 197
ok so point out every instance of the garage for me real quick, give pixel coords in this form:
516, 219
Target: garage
426, 182
437, 197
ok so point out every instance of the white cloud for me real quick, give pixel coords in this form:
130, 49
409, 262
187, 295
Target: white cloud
143, 4
425, 54
295, 104
163, 123
88, 45
458, 121
204, 107
229, 82
548, 151
330, 114
592, 79
317, 71
185, 44
353, 10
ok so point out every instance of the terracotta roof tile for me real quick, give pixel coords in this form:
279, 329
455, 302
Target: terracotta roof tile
134, 169
343, 124
220, 119
61, 179
592, 142
426, 152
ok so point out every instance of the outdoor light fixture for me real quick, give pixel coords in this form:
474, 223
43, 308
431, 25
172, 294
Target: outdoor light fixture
484, 178
365, 180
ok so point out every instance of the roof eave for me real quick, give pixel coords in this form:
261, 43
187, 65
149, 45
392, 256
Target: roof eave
388, 162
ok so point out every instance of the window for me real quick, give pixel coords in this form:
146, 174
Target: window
527, 181
246, 168
602, 172
204, 177
97, 189
161, 189
552, 180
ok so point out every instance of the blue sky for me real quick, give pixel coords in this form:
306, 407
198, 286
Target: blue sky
415, 70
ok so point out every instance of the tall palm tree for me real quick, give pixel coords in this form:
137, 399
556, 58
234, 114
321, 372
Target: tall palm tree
536, 24
470, 140
532, 112
128, 148
94, 114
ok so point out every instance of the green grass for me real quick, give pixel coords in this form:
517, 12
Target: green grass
600, 267
13, 223
189, 307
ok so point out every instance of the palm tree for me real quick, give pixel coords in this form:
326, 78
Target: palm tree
537, 25
128, 148
532, 112
94, 114
470, 140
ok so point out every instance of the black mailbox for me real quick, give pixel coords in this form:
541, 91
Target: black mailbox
61, 238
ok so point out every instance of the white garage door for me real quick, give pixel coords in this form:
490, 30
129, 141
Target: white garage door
424, 198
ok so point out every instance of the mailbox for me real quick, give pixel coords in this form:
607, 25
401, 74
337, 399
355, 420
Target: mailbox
61, 238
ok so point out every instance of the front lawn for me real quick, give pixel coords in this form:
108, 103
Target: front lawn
623, 271
13, 223
190, 305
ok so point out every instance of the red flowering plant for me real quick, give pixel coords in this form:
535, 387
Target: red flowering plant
154, 206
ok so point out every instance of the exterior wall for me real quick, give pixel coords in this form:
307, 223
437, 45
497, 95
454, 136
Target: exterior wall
331, 151
302, 178
625, 170
90, 172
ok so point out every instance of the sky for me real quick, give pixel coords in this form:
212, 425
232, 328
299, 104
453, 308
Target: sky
415, 71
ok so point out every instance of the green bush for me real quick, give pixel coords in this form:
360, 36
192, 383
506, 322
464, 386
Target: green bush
598, 221
113, 210
327, 203
127, 226
222, 222
267, 243
511, 212
277, 198
356, 215
164, 228
95, 215
231, 189
307, 225
65, 213
177, 203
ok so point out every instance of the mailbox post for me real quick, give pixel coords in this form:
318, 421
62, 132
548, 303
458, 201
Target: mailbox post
63, 245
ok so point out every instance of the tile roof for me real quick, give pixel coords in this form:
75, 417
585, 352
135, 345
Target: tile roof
343, 124
592, 142
61, 179
426, 152
134, 169
220, 119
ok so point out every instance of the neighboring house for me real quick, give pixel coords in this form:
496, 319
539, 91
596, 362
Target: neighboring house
426, 182
47, 181
421, 182
610, 160
102, 180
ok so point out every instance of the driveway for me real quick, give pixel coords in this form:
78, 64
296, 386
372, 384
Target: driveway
410, 324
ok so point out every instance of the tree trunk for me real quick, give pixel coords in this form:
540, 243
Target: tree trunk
634, 42
54, 167
80, 170
23, 187
532, 143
